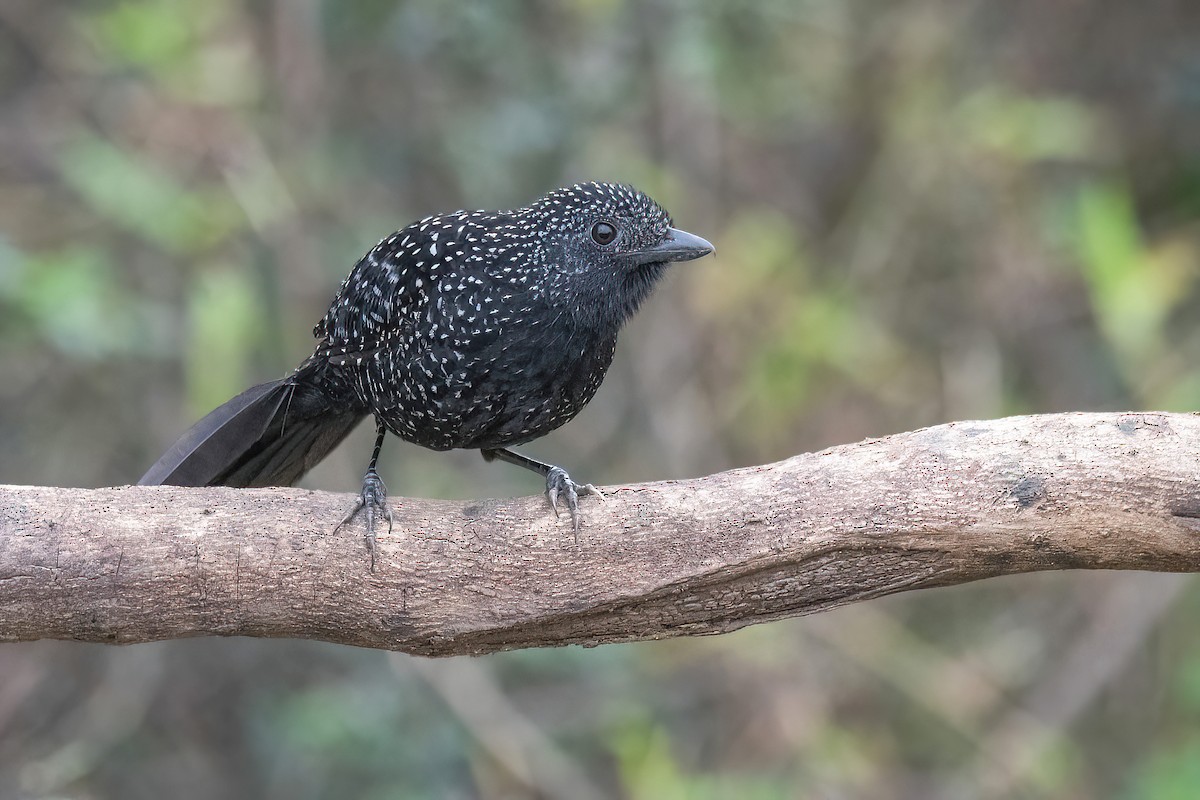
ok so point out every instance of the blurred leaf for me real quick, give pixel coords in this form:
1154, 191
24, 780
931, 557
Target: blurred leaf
821, 330
1187, 682
73, 299
760, 259
225, 321
146, 200
150, 33
1133, 288
1171, 774
1182, 394
1029, 128
1109, 237
649, 772
185, 53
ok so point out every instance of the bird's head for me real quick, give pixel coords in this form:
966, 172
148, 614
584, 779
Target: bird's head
607, 245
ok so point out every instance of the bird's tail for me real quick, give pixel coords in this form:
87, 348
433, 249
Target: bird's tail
269, 435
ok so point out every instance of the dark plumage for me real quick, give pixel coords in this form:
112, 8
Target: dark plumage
475, 329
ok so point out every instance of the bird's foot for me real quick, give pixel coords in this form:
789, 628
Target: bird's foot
373, 499
559, 484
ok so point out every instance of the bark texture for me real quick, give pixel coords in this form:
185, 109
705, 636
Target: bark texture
933, 507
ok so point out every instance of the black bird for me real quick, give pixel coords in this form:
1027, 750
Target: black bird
477, 329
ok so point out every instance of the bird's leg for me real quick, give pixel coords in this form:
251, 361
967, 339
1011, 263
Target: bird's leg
373, 497
558, 482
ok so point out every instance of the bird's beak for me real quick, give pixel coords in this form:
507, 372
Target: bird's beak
677, 245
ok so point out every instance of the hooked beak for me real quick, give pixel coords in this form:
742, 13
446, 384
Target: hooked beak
677, 245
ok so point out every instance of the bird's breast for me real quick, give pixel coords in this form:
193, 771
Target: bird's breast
479, 381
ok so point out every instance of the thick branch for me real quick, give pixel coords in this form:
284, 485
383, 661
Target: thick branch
935, 507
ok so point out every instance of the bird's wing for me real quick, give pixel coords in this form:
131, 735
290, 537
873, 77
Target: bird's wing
384, 287
395, 284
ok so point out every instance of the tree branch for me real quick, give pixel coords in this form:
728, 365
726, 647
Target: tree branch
934, 507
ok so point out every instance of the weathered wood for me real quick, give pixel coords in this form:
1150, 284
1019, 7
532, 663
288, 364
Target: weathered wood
934, 507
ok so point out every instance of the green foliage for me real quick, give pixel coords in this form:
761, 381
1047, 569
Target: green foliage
649, 772
1172, 774
1135, 289
923, 211
72, 300
178, 46
224, 314
147, 201
1025, 128
150, 34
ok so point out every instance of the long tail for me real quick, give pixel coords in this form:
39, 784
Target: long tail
269, 435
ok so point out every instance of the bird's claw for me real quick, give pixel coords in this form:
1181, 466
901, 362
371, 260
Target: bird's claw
373, 499
559, 484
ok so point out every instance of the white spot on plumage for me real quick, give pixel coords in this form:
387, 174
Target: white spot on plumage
503, 259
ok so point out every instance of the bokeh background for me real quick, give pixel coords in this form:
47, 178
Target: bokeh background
925, 210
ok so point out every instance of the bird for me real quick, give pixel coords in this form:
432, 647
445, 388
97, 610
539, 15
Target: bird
475, 330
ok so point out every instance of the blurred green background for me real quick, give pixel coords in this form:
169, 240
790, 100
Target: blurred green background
925, 210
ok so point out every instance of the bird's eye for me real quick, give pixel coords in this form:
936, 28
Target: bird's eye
604, 233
